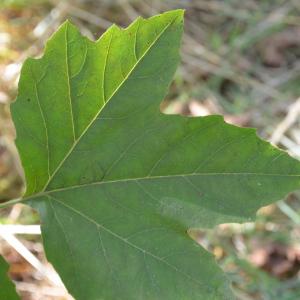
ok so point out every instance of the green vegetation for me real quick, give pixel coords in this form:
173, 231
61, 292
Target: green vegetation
122, 183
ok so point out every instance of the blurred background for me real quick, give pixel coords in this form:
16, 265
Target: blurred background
240, 59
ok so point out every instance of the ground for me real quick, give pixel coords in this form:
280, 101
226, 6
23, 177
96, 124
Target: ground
239, 59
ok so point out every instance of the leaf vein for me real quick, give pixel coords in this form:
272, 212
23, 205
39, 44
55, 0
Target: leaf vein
69, 83
106, 257
127, 242
96, 116
46, 129
66, 239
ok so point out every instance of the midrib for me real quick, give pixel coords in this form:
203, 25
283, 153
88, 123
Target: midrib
49, 192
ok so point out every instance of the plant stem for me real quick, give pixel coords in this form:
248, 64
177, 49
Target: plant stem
11, 202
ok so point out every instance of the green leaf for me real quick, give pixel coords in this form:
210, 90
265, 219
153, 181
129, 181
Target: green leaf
117, 183
7, 289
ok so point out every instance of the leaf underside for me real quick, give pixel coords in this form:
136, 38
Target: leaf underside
7, 289
117, 183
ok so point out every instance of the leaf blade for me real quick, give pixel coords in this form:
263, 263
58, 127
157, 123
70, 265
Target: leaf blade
117, 274
7, 289
145, 169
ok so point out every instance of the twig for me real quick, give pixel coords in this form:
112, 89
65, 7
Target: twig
288, 211
286, 123
39, 292
20, 229
30, 258
129, 9
291, 146
89, 17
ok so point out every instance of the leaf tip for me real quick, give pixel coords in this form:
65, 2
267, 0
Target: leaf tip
177, 13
